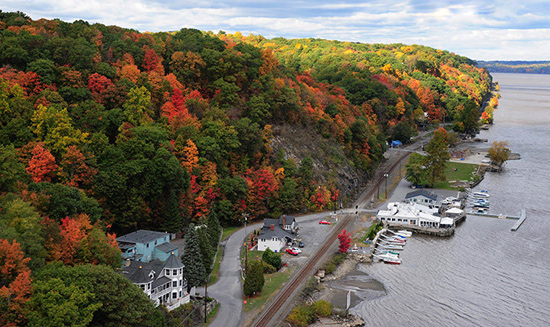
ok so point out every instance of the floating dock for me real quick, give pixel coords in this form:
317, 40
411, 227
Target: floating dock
520, 221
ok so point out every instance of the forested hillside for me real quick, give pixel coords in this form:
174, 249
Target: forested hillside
526, 67
107, 130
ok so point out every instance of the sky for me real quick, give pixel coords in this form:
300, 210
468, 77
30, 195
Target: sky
480, 30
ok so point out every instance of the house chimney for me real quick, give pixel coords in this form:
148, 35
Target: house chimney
272, 227
128, 263
284, 219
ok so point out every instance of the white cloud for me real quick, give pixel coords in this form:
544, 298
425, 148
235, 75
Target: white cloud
477, 29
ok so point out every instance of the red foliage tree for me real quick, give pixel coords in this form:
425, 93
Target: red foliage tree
15, 282
261, 185
42, 164
75, 172
345, 240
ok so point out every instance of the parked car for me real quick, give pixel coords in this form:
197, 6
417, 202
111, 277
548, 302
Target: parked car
291, 251
296, 249
301, 244
324, 222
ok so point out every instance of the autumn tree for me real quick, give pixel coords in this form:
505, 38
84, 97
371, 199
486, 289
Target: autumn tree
74, 170
345, 240
416, 172
437, 155
499, 153
15, 283
138, 109
42, 165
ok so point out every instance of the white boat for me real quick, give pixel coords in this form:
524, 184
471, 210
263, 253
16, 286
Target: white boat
380, 251
386, 256
387, 253
393, 261
393, 239
389, 246
402, 234
481, 194
382, 241
405, 233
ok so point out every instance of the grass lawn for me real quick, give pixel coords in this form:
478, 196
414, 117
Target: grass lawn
227, 231
273, 282
463, 172
216, 269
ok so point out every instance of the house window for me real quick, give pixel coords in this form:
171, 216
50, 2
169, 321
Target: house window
174, 295
180, 282
142, 287
147, 244
167, 272
148, 286
180, 293
175, 283
181, 270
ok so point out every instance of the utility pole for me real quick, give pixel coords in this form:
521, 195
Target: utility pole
205, 297
386, 178
245, 216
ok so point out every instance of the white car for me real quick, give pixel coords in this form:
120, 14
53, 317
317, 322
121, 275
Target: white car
296, 249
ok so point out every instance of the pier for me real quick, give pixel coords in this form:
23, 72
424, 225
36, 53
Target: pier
520, 221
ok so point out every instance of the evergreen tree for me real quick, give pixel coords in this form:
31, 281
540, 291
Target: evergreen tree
173, 220
213, 229
207, 252
254, 281
193, 271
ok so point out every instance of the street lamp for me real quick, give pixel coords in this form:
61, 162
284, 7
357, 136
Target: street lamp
245, 216
386, 178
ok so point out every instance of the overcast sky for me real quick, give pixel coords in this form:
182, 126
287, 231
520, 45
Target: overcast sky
481, 30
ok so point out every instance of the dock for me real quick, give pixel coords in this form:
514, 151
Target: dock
520, 221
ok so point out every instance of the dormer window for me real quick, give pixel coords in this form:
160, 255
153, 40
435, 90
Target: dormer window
167, 272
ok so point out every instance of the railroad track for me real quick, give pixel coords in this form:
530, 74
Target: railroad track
286, 293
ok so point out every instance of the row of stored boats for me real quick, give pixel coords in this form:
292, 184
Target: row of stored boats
389, 246
479, 201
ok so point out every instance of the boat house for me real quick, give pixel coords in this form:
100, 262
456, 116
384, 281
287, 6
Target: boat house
406, 214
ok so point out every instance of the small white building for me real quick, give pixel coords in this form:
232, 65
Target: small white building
276, 233
413, 214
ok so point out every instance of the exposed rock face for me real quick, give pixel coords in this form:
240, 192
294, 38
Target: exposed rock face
329, 160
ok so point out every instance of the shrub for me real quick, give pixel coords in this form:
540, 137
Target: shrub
272, 258
301, 316
267, 268
322, 308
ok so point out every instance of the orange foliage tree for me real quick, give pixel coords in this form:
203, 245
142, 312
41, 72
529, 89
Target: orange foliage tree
15, 283
42, 164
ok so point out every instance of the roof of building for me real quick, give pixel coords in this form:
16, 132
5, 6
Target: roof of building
166, 247
277, 232
423, 192
140, 276
288, 220
141, 236
455, 211
161, 281
173, 262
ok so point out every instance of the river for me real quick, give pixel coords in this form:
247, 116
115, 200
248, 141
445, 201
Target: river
484, 275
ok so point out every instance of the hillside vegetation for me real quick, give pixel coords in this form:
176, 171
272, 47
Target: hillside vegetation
526, 67
107, 130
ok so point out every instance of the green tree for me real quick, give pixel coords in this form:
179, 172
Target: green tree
90, 296
12, 170
254, 281
416, 172
138, 109
437, 155
19, 221
272, 258
499, 153
213, 229
193, 271
205, 244
173, 219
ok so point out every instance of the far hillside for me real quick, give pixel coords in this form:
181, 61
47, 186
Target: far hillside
527, 67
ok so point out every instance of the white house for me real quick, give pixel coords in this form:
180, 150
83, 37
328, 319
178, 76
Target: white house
276, 233
411, 214
421, 196
163, 282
